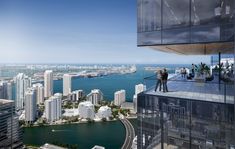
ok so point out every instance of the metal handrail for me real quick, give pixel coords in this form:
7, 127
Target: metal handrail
154, 77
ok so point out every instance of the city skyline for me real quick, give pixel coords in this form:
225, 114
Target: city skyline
82, 31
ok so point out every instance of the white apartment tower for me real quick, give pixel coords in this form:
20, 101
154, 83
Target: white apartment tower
67, 84
30, 105
48, 83
23, 82
138, 89
119, 97
53, 109
95, 96
40, 92
76, 95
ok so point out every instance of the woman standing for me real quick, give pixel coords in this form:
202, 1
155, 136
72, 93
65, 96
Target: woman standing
159, 80
164, 80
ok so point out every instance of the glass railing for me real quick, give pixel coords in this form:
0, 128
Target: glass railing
197, 89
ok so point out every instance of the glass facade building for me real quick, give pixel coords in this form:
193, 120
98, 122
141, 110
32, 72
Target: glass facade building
10, 131
192, 115
165, 122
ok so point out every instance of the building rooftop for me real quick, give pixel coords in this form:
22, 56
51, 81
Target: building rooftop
86, 103
193, 90
104, 108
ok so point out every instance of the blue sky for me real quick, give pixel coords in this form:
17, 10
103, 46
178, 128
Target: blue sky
75, 31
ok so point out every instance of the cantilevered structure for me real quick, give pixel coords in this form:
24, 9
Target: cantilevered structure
192, 114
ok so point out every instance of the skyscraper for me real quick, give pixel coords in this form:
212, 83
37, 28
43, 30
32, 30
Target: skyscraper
95, 96
22, 83
76, 95
40, 92
119, 97
6, 90
11, 134
196, 113
30, 105
10, 90
3, 90
48, 83
138, 89
67, 84
53, 109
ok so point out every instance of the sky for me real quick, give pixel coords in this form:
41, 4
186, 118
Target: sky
76, 31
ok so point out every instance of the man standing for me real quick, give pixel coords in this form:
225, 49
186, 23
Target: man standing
193, 70
164, 80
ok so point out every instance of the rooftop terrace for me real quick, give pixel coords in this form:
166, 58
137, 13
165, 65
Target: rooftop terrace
178, 87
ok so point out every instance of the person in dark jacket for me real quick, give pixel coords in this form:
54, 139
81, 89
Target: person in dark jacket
159, 81
164, 80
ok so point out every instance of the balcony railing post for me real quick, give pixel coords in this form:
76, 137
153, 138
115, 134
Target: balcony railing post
219, 69
225, 92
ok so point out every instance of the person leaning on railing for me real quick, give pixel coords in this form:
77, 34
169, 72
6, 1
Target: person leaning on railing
164, 80
159, 80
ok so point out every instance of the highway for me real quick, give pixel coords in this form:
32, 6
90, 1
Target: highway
130, 134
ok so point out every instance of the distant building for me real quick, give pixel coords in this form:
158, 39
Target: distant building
10, 134
104, 112
48, 83
71, 112
127, 106
86, 110
53, 109
40, 92
30, 105
10, 90
76, 95
23, 82
59, 95
3, 90
95, 96
138, 89
119, 97
67, 84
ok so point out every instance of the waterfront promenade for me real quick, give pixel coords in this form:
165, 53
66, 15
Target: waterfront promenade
130, 133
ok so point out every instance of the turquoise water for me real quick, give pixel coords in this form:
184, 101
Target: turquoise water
110, 84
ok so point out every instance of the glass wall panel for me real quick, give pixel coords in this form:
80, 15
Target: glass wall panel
184, 123
227, 32
149, 15
205, 34
175, 13
175, 36
149, 38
